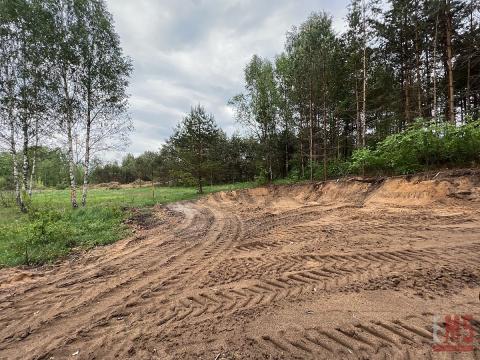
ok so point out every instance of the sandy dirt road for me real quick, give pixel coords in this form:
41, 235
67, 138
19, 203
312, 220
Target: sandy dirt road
339, 270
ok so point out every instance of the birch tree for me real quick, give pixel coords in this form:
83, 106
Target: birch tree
257, 108
25, 27
67, 70
8, 124
103, 81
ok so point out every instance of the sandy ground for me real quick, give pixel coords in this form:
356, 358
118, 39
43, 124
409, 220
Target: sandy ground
340, 270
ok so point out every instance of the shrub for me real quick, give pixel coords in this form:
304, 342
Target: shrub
338, 168
294, 175
262, 178
363, 159
39, 237
422, 145
61, 186
45, 234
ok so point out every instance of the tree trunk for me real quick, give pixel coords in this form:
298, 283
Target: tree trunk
87, 152
13, 152
200, 187
324, 138
286, 132
311, 134
286, 158
434, 68
338, 134
300, 138
364, 102
71, 167
25, 166
200, 157
448, 40
417, 61
469, 64
34, 161
302, 163
428, 77
71, 161
467, 105
407, 96
357, 119
32, 173
86, 165
324, 124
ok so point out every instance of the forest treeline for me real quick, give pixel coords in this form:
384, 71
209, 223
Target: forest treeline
400, 67
397, 91
329, 94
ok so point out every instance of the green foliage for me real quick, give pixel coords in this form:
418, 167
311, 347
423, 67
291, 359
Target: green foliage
337, 169
61, 186
318, 173
47, 233
262, 178
421, 146
362, 159
51, 229
294, 175
7, 199
193, 145
257, 108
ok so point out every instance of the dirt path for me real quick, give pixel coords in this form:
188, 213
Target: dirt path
347, 270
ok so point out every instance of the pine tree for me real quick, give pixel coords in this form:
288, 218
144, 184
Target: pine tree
193, 143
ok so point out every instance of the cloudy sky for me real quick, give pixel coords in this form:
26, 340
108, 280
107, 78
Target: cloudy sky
187, 52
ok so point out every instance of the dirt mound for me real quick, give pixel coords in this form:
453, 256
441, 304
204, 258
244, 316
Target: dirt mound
114, 185
417, 190
351, 269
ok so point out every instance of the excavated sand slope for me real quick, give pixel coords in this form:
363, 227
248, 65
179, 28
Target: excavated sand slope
340, 270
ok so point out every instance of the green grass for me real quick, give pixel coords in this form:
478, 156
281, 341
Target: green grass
52, 229
130, 197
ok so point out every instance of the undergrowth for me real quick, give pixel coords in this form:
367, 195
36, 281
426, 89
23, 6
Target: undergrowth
51, 229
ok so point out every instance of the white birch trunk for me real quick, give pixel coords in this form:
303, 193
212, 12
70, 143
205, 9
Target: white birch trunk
71, 161
87, 162
16, 180
34, 160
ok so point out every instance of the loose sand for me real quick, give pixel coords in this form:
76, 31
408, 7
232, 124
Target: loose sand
352, 269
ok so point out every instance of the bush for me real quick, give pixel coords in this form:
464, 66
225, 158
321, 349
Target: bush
338, 168
422, 145
262, 178
363, 160
294, 175
45, 234
61, 186
43, 237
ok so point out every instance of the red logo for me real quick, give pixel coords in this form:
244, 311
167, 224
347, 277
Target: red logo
453, 332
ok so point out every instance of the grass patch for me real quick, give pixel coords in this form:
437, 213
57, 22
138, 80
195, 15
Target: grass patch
52, 229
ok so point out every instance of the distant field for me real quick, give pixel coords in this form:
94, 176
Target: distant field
52, 228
